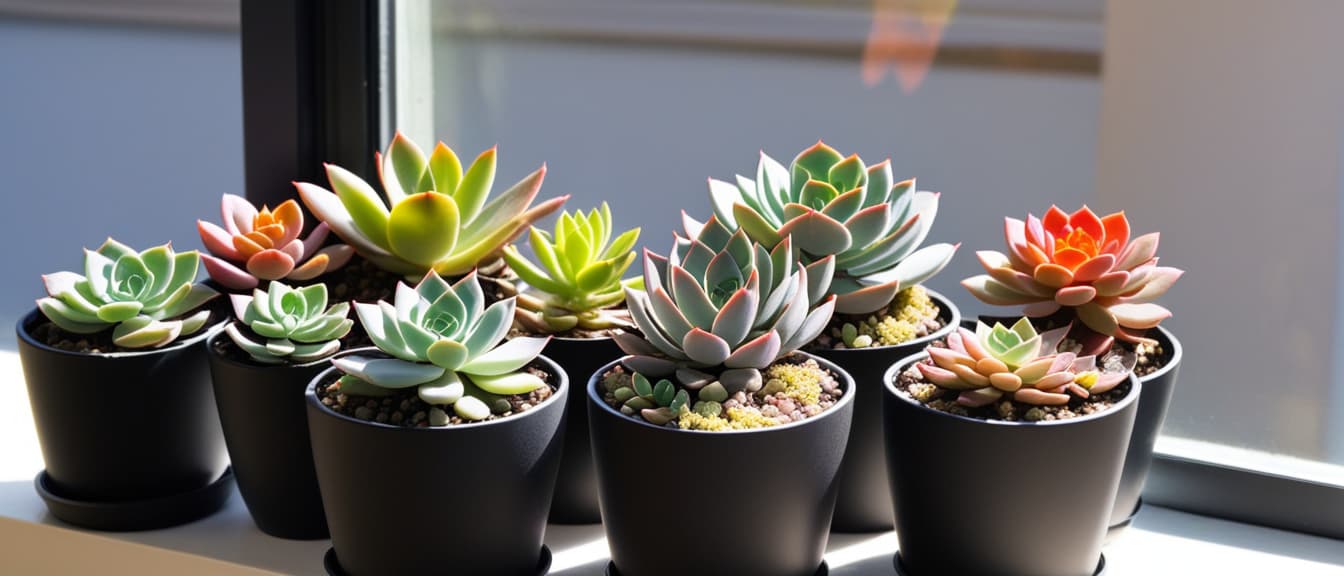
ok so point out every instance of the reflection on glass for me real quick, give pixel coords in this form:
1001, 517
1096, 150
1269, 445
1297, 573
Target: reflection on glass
905, 34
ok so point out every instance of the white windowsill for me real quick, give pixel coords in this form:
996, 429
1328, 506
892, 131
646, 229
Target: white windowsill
1162, 541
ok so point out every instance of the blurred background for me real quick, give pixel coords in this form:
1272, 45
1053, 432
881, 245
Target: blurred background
1216, 122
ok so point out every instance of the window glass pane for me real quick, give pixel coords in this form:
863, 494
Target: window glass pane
996, 103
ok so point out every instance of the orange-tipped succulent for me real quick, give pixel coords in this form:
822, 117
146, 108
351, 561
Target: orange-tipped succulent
264, 245
1082, 262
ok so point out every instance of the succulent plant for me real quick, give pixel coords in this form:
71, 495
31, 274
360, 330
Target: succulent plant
1083, 262
992, 362
718, 302
254, 246
658, 403
435, 216
147, 298
832, 205
444, 341
580, 274
296, 324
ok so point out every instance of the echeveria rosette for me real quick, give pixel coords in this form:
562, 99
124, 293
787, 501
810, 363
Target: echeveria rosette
435, 215
1079, 261
444, 341
718, 301
264, 245
994, 362
833, 205
579, 277
147, 298
296, 324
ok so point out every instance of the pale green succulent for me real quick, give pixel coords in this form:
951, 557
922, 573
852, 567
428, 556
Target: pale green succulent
834, 205
580, 274
435, 216
444, 341
144, 297
296, 324
719, 309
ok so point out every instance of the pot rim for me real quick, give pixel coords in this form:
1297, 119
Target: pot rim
209, 345
31, 318
568, 338
953, 321
889, 385
1176, 352
846, 383
561, 388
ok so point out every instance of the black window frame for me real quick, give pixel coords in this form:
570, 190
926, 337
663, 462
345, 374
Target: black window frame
314, 90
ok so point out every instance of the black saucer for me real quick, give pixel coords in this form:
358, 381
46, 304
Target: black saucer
334, 568
131, 515
901, 571
1115, 531
823, 570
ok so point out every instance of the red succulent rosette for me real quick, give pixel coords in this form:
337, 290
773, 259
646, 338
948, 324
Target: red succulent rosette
1079, 261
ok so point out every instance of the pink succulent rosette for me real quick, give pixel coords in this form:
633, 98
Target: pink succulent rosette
1079, 261
996, 362
254, 246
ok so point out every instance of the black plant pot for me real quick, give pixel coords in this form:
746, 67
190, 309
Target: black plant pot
1157, 390
864, 503
576, 488
975, 497
131, 440
461, 499
755, 502
265, 423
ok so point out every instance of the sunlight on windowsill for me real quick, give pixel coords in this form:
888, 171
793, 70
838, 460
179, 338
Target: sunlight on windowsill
22, 458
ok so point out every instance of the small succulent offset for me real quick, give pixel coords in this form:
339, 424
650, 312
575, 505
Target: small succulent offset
254, 246
435, 216
1079, 261
992, 362
444, 341
144, 297
720, 304
296, 324
832, 205
580, 274
657, 403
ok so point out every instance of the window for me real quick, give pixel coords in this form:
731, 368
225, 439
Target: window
1187, 117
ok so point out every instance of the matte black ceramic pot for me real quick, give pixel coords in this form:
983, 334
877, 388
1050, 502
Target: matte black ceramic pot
261, 408
576, 488
122, 433
1157, 391
461, 499
974, 497
746, 503
864, 502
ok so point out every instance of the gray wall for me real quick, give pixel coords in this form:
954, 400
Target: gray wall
132, 132
644, 127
